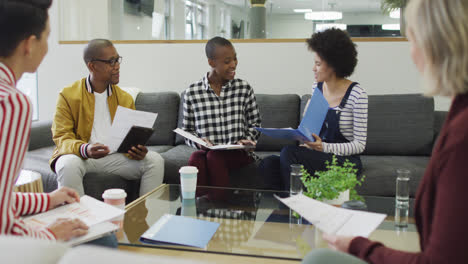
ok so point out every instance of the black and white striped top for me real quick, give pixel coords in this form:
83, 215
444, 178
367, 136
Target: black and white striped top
223, 119
353, 124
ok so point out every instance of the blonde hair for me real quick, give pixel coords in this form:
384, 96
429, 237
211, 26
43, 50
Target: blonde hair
440, 29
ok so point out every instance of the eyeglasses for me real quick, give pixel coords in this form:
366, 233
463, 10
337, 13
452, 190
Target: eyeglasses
111, 62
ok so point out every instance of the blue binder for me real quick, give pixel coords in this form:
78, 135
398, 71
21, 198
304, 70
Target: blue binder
312, 121
180, 230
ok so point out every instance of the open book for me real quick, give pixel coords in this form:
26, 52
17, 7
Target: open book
95, 214
200, 142
312, 121
121, 133
333, 220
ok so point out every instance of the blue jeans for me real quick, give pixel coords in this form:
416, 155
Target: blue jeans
276, 170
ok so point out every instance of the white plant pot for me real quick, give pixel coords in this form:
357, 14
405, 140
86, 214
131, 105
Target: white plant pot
343, 197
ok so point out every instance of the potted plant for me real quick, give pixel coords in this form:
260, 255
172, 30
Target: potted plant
389, 5
335, 185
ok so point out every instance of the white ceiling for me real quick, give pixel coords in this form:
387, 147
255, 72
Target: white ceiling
287, 6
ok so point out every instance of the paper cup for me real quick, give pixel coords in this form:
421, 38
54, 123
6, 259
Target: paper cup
188, 181
115, 197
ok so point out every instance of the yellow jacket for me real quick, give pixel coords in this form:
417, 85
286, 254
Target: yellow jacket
74, 116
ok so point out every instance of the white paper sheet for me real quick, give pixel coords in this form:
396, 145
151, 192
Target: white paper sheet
333, 220
200, 141
95, 214
124, 119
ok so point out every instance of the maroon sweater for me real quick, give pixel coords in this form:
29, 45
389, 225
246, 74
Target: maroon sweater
441, 208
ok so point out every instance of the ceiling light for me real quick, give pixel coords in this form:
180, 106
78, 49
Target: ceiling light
324, 15
391, 26
303, 10
395, 13
322, 27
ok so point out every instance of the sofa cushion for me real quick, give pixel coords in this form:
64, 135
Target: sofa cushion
173, 160
166, 104
38, 160
380, 172
277, 111
41, 135
398, 124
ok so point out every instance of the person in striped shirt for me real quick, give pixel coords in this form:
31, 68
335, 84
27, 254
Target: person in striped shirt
344, 131
23, 45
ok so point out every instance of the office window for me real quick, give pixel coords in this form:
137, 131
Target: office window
28, 85
195, 20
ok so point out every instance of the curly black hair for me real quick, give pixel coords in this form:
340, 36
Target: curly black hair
337, 49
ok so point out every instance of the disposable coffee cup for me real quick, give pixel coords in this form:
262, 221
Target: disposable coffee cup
188, 181
115, 197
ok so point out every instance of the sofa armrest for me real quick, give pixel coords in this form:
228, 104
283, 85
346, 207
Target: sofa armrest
41, 135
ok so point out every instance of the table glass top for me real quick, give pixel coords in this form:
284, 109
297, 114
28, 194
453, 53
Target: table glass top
252, 222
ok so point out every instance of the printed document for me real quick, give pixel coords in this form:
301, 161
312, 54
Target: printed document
333, 220
200, 142
124, 119
95, 214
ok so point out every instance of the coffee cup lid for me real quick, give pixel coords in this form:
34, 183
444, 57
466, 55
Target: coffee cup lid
114, 194
188, 169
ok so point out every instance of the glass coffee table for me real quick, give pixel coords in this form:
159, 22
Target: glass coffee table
252, 222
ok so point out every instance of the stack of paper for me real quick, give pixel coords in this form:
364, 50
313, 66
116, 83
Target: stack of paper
95, 214
124, 120
334, 220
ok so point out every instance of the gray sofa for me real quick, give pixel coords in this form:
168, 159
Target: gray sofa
402, 130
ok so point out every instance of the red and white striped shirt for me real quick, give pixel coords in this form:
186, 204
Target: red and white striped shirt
15, 126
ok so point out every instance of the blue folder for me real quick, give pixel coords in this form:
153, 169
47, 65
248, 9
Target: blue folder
180, 230
312, 121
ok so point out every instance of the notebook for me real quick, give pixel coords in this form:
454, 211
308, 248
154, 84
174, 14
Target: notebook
180, 230
312, 121
136, 136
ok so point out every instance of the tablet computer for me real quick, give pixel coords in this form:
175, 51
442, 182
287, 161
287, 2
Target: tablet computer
137, 135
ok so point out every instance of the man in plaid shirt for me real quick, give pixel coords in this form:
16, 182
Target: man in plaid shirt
221, 110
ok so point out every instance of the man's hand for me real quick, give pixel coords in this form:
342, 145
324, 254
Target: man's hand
138, 152
97, 151
66, 229
63, 195
247, 142
317, 145
340, 243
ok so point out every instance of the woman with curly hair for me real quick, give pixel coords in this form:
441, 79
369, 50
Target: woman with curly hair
344, 131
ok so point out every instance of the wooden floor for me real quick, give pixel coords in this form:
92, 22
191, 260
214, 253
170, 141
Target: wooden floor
200, 257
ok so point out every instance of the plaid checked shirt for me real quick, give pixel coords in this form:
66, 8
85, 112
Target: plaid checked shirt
223, 119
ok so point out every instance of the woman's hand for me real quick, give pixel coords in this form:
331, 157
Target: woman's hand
208, 143
340, 243
317, 145
66, 229
63, 195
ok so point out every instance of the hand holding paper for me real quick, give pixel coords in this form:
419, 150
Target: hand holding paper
311, 123
207, 145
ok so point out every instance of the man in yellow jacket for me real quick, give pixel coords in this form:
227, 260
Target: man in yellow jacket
82, 121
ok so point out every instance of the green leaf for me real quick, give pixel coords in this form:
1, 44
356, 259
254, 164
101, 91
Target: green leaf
330, 183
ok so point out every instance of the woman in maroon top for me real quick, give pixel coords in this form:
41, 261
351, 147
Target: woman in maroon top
438, 33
